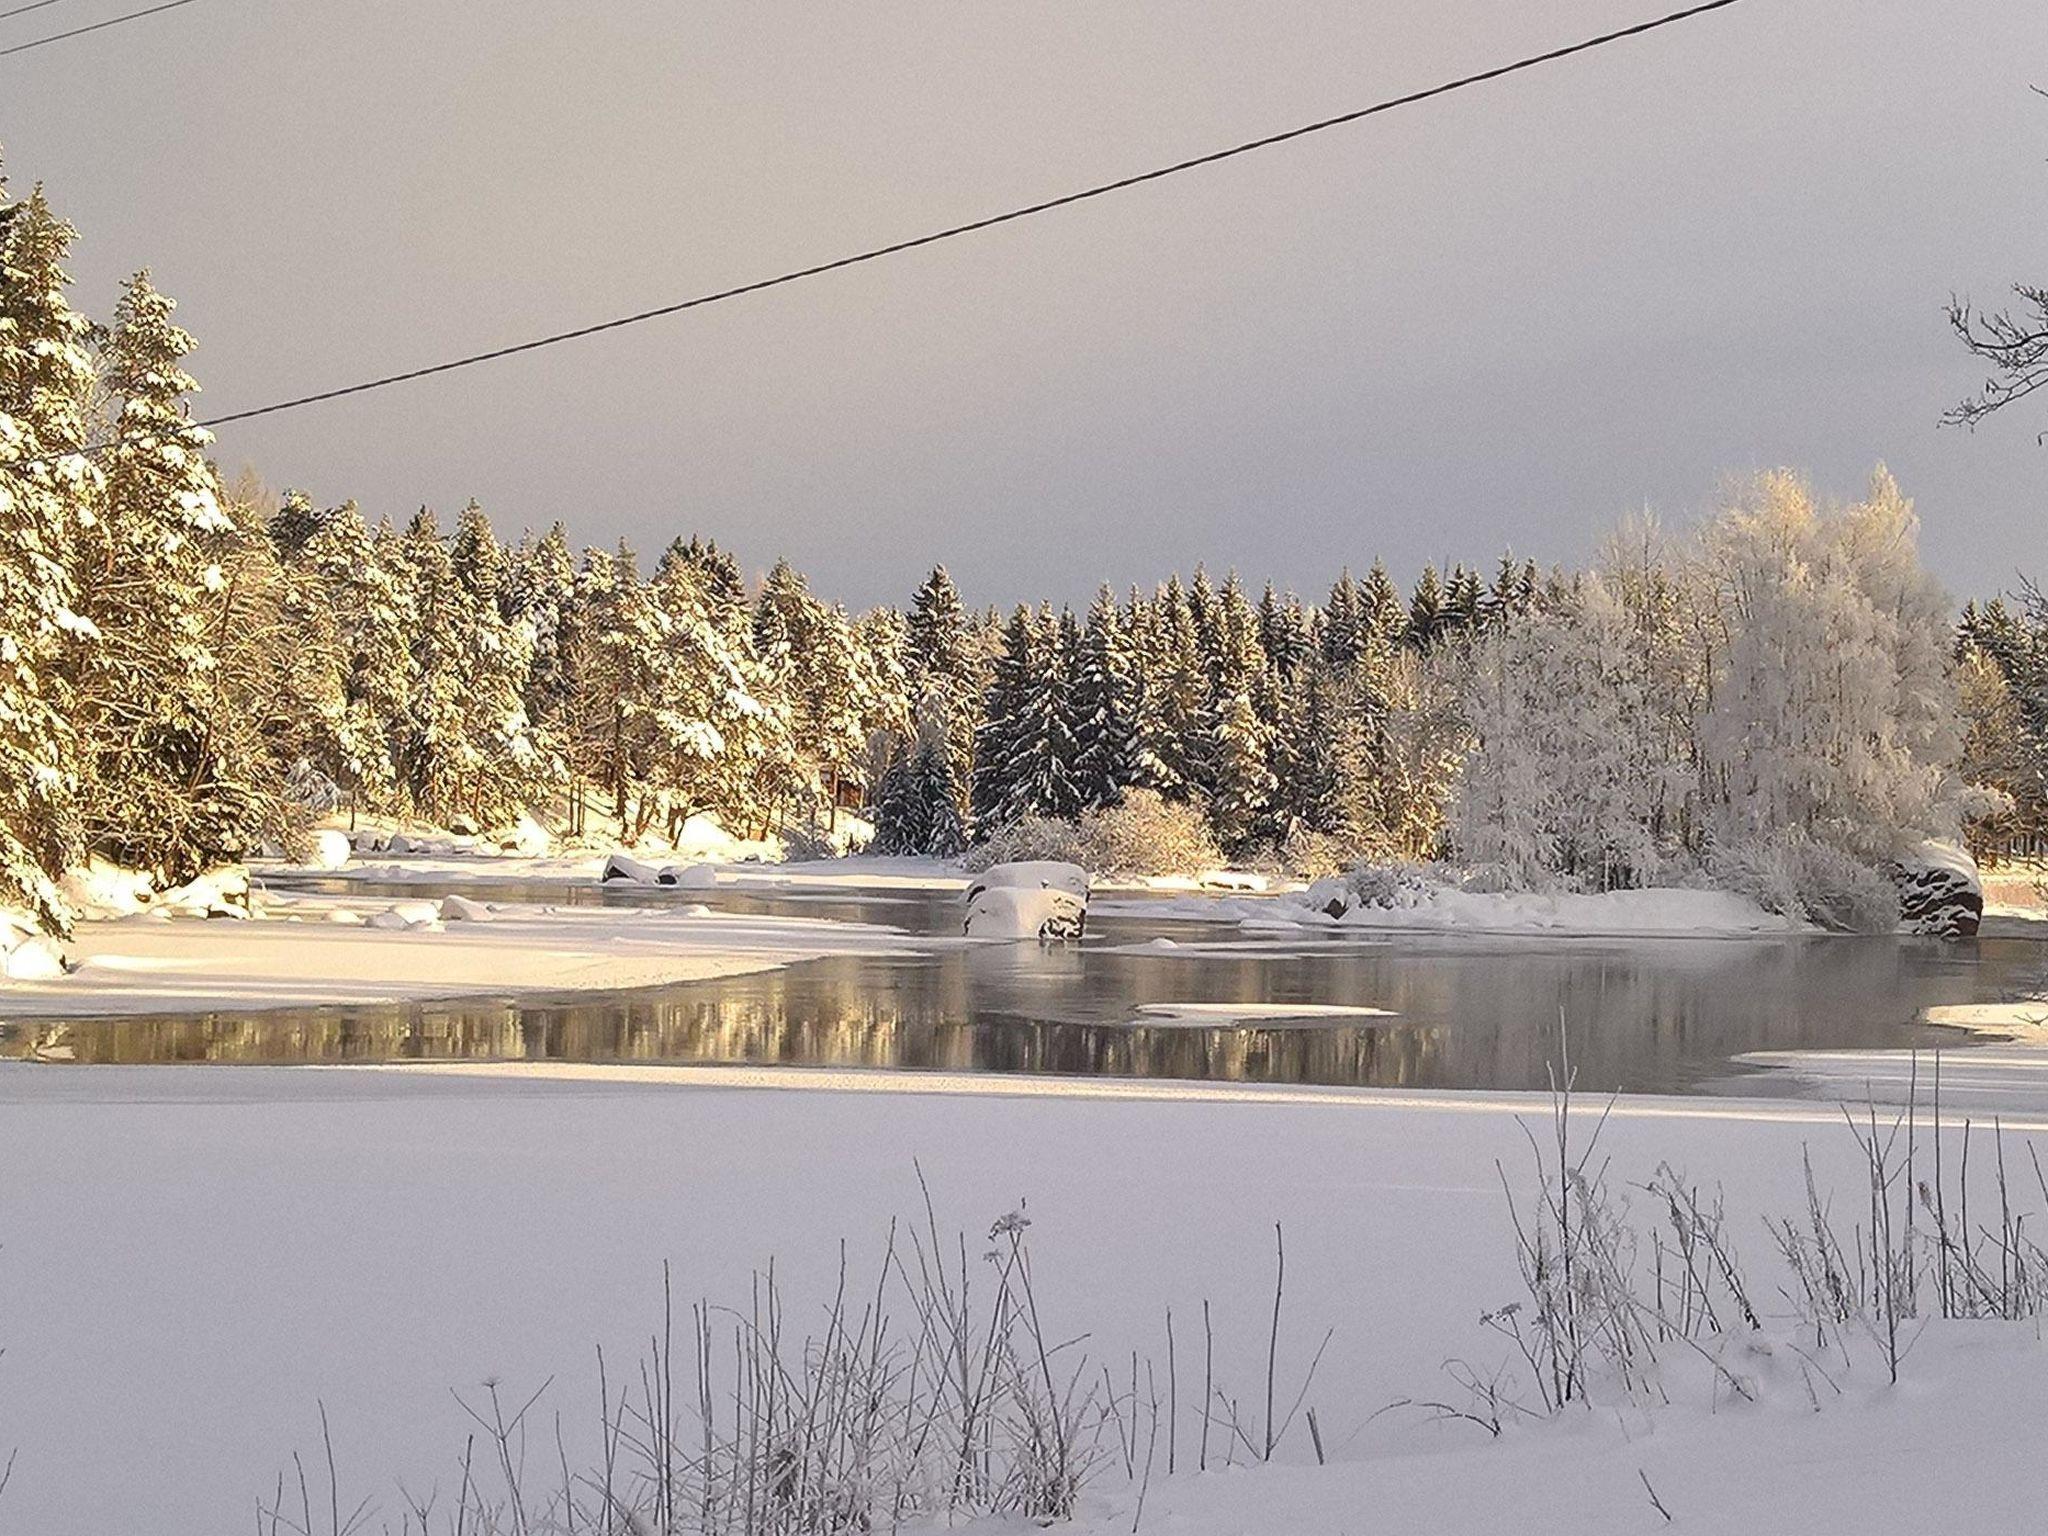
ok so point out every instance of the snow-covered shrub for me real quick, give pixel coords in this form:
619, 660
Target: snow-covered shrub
1793, 874
1144, 834
1147, 834
1382, 887
1028, 838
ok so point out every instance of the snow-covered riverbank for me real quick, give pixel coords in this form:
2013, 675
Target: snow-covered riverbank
200, 1257
324, 950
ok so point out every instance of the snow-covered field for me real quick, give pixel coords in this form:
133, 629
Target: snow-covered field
197, 1259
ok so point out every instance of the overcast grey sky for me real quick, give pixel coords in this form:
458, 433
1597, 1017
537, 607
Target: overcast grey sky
1504, 318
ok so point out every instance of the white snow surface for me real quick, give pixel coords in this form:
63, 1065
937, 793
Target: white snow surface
327, 950
1658, 912
199, 1258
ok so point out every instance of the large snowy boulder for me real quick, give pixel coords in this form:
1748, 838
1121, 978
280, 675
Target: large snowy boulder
331, 848
1940, 893
1024, 912
26, 953
1031, 875
100, 889
218, 893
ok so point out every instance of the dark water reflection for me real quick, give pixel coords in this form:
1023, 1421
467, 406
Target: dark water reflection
1472, 1013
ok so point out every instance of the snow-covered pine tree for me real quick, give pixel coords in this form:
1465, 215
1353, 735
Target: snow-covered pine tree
162, 792
47, 489
1107, 708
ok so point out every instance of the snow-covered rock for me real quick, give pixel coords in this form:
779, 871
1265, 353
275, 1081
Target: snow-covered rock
218, 893
416, 916
101, 889
692, 877
1941, 894
528, 838
460, 909
27, 953
345, 916
1024, 912
331, 849
1032, 874
623, 866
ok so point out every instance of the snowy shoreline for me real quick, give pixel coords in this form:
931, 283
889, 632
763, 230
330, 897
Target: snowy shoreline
298, 954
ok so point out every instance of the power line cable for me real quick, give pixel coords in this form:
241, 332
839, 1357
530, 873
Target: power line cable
23, 10
98, 26
876, 253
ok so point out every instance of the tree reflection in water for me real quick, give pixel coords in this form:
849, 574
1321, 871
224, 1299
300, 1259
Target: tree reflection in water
1471, 1013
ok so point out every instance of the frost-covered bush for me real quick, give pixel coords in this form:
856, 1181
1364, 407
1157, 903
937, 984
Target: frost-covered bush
1791, 873
1028, 838
1143, 835
1147, 834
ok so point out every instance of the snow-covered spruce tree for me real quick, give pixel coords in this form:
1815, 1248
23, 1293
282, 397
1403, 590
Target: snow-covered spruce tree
1024, 753
1284, 632
1385, 618
539, 596
171, 785
1002, 711
342, 574
277, 652
2003, 655
48, 488
1107, 708
1344, 621
1176, 684
505, 768
1241, 784
918, 809
942, 650
1427, 621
